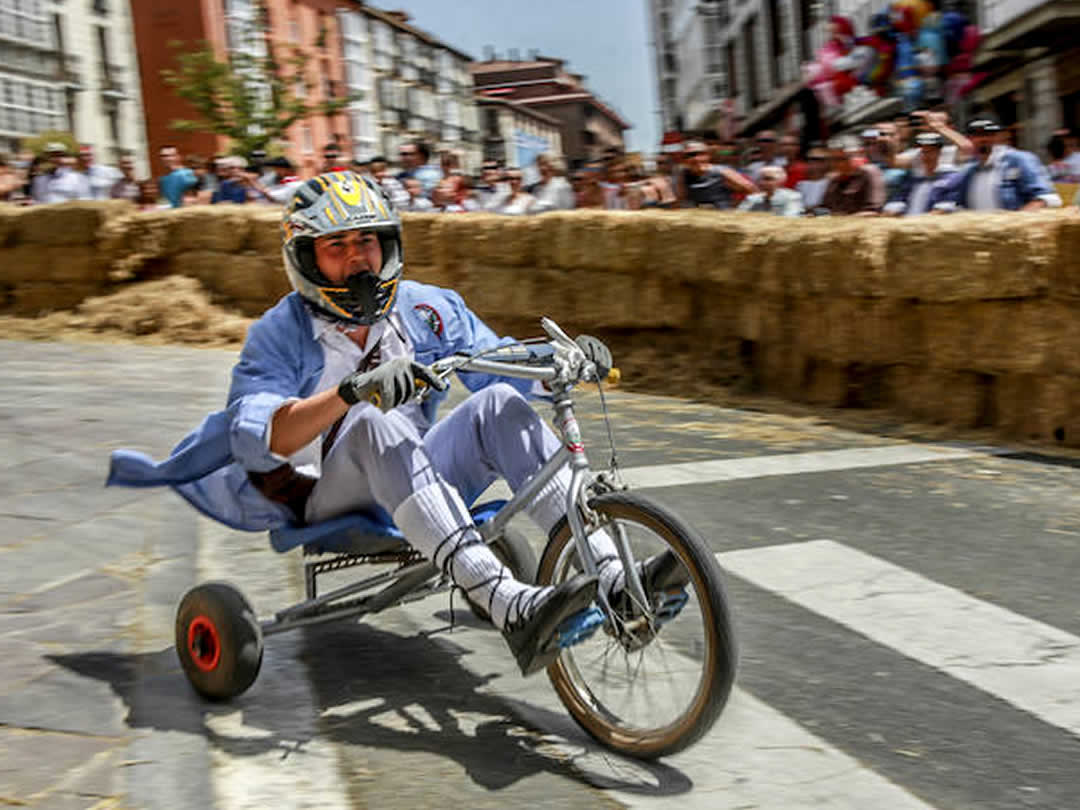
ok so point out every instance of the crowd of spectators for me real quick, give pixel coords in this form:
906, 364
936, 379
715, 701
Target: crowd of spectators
912, 165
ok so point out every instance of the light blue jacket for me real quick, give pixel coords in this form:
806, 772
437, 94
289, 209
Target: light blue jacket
283, 359
1023, 178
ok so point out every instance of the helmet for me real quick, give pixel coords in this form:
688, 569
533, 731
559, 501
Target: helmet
332, 203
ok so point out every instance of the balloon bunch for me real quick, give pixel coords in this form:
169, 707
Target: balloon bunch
913, 51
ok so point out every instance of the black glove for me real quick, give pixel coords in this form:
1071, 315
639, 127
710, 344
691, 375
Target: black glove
597, 352
391, 384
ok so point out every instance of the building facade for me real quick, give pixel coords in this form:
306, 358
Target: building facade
402, 83
514, 134
72, 67
410, 86
588, 126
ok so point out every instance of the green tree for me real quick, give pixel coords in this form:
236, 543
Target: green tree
251, 99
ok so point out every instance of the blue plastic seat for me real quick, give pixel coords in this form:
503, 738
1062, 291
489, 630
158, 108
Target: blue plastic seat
357, 533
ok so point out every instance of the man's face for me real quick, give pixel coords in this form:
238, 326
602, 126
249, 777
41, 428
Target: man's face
331, 157
789, 148
698, 160
409, 156
341, 255
127, 166
413, 187
766, 142
86, 156
984, 143
170, 157
816, 164
490, 174
769, 183
930, 155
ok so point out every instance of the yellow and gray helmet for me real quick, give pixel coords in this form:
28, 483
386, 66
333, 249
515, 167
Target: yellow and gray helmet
332, 203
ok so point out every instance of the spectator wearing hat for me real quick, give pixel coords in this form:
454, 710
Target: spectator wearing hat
332, 160
1001, 177
706, 185
282, 181
237, 186
929, 185
856, 187
768, 154
59, 182
773, 198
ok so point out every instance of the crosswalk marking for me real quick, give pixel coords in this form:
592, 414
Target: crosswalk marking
738, 469
755, 756
1032, 665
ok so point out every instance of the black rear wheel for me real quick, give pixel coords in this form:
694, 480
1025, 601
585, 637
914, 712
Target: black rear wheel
647, 688
218, 640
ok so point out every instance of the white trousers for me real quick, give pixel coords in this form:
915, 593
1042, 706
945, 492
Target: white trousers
380, 459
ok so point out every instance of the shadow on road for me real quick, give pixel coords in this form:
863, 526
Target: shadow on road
368, 684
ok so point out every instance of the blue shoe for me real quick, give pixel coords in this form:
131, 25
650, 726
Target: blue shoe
561, 618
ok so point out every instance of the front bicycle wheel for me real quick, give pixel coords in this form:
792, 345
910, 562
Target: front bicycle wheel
647, 693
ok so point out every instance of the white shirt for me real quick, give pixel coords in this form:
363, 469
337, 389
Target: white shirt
101, 179
920, 197
554, 195
341, 357
914, 155
812, 191
60, 186
1073, 162
982, 193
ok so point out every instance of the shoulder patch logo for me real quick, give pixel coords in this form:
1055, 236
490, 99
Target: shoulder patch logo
432, 317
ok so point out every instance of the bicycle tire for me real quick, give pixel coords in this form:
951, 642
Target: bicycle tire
720, 661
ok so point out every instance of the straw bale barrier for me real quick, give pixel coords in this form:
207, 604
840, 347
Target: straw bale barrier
970, 320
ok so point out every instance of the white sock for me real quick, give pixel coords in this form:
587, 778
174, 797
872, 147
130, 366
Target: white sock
436, 513
549, 507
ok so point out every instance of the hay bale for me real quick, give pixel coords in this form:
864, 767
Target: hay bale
825, 383
1065, 271
877, 331
416, 237
579, 239
779, 368
492, 289
177, 308
131, 242
763, 319
68, 223
973, 256
221, 228
425, 274
938, 396
28, 262
1036, 406
35, 298
232, 276
949, 332
266, 231
720, 257
9, 218
991, 336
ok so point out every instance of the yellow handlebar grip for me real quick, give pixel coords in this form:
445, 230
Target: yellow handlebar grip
613, 377
375, 398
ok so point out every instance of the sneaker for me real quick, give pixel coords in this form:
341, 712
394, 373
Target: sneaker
664, 578
565, 616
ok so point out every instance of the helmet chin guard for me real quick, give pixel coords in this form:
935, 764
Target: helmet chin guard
334, 203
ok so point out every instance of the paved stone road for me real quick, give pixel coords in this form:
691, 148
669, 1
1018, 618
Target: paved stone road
908, 616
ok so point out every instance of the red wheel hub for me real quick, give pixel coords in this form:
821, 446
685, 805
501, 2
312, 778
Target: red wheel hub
203, 643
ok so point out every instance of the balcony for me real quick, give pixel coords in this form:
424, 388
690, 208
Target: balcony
1020, 24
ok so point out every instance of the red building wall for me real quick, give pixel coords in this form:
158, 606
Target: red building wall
293, 24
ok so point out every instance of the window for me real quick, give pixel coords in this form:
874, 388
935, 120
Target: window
776, 43
99, 6
732, 73
751, 61
806, 23
305, 140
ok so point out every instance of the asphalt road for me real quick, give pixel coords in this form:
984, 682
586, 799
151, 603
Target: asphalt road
908, 619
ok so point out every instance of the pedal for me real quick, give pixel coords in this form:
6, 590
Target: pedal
579, 627
669, 604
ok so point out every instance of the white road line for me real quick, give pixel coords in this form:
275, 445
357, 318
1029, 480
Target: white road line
754, 756
298, 768
737, 469
1027, 663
